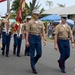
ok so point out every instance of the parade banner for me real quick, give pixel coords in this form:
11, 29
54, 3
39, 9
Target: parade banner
2, 0
20, 14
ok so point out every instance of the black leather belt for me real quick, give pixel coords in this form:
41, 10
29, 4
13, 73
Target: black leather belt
63, 38
34, 34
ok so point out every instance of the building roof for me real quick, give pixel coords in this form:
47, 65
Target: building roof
61, 10
68, 10
54, 10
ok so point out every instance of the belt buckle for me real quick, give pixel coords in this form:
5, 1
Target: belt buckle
37, 34
18, 36
63, 38
7, 33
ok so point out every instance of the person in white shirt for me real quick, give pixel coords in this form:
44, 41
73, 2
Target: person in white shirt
18, 35
6, 35
28, 18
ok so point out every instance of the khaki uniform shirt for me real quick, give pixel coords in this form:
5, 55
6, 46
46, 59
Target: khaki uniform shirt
7, 28
73, 30
62, 31
0, 27
24, 26
35, 27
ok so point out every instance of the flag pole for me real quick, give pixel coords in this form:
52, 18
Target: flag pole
8, 12
8, 8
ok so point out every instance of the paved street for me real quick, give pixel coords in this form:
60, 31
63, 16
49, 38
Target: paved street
47, 65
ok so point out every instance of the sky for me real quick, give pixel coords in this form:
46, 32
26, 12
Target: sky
3, 5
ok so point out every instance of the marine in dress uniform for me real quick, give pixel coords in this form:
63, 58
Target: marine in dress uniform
18, 35
0, 28
61, 35
6, 35
28, 18
73, 30
34, 29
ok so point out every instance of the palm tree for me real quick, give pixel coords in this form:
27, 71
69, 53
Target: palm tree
15, 5
28, 8
14, 8
49, 3
32, 6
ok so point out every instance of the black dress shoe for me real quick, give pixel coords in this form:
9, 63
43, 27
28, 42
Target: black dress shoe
63, 71
18, 56
59, 64
3, 53
34, 71
14, 52
1, 48
7, 56
26, 54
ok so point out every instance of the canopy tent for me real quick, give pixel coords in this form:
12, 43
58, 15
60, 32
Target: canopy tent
54, 10
69, 21
11, 20
50, 18
68, 10
56, 19
1, 18
61, 10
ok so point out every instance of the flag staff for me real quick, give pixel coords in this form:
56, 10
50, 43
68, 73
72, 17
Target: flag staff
8, 7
